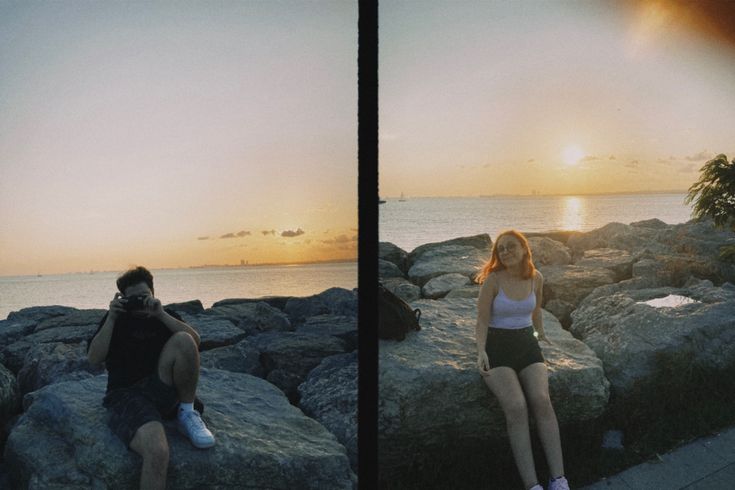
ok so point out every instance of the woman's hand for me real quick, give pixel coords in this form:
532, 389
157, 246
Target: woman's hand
543, 338
483, 363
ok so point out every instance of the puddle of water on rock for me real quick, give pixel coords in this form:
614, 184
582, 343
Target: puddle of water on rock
670, 301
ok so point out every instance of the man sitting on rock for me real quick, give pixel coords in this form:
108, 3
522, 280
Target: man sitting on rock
152, 359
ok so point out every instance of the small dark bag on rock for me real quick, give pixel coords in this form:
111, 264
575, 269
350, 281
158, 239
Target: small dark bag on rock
395, 316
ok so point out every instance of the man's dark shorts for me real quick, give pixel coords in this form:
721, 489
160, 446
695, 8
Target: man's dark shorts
148, 400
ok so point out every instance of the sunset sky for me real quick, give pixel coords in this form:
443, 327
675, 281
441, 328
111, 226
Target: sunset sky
557, 97
173, 134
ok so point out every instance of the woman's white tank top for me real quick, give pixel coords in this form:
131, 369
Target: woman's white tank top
511, 314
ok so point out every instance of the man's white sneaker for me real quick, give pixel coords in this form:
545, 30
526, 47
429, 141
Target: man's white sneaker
560, 483
190, 423
536, 487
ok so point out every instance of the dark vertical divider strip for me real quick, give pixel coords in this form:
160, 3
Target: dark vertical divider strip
368, 243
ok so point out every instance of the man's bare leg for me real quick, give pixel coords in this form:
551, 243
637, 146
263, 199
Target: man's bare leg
150, 442
178, 365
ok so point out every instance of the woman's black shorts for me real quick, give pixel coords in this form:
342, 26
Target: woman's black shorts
148, 400
514, 348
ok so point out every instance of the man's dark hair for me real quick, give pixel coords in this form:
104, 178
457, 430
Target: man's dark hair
135, 276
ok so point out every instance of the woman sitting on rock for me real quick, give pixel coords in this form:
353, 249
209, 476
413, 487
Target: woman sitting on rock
509, 356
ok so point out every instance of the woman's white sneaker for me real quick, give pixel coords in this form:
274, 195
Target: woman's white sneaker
190, 423
560, 483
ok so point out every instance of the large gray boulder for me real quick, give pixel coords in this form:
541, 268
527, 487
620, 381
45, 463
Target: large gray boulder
619, 262
62, 441
630, 336
619, 236
441, 285
14, 354
274, 301
571, 283
329, 396
386, 269
342, 327
69, 334
471, 291
335, 301
675, 270
403, 288
691, 248
13, 330
37, 314
214, 331
462, 255
53, 362
72, 319
392, 253
546, 251
191, 307
431, 392
9, 397
252, 318
289, 356
238, 358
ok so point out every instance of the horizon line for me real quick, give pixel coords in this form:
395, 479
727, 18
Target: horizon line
567, 194
205, 266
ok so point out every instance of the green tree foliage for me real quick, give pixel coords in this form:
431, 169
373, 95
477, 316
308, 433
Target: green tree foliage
713, 194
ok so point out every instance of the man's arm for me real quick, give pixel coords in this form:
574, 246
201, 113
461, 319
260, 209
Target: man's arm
100, 344
172, 323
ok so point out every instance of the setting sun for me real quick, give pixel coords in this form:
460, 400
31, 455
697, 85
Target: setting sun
572, 154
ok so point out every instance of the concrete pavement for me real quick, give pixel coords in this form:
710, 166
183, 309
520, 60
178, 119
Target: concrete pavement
705, 464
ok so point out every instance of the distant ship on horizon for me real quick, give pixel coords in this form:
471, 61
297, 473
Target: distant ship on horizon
402, 198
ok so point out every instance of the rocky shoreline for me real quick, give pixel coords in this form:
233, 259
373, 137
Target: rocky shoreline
279, 381
610, 342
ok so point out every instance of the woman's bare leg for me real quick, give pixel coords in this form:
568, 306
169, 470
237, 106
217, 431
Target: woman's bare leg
504, 384
535, 380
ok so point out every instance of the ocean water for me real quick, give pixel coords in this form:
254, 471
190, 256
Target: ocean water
208, 285
417, 221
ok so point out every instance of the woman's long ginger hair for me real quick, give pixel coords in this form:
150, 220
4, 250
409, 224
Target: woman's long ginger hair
494, 264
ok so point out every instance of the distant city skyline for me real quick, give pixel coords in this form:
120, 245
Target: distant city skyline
130, 131
560, 97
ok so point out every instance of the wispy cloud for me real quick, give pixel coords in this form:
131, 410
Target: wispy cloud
340, 239
612, 157
291, 233
202, 238
243, 233
268, 232
228, 235
698, 157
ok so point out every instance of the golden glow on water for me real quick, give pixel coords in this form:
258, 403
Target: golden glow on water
573, 210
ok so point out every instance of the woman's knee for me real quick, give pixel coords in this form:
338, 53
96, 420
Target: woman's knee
516, 410
541, 405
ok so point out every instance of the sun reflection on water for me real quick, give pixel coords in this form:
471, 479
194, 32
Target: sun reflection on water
573, 210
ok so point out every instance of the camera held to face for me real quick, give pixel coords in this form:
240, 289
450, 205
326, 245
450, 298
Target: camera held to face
133, 303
